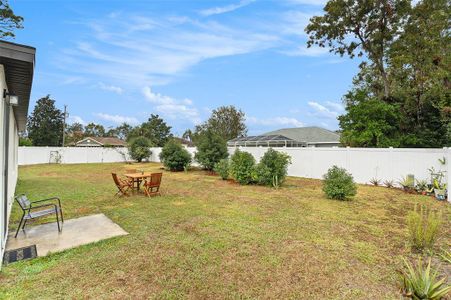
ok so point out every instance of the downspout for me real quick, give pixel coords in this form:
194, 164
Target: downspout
6, 165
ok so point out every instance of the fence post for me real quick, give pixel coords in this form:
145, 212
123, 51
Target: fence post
347, 158
448, 173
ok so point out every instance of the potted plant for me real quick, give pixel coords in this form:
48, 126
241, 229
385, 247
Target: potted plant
437, 183
421, 187
439, 190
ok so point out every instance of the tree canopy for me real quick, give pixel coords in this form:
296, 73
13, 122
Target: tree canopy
225, 121
211, 148
8, 20
45, 124
155, 129
401, 94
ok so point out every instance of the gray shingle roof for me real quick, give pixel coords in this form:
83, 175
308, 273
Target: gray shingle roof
308, 134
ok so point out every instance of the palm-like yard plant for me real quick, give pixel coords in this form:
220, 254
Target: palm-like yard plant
423, 283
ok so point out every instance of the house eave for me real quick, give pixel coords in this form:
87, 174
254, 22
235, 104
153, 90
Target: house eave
18, 62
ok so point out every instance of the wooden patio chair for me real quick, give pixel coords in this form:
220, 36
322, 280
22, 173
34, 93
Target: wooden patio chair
44, 208
152, 184
122, 185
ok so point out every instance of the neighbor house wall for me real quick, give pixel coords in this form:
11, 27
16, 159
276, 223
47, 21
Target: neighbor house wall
12, 171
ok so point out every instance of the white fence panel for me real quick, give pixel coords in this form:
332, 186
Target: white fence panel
71, 155
363, 163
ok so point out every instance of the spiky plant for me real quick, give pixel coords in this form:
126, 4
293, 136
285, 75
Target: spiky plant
375, 181
423, 283
424, 226
389, 183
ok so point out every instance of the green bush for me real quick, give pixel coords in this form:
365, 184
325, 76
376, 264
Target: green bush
211, 148
261, 174
223, 168
339, 184
272, 168
423, 283
23, 141
242, 167
139, 148
174, 156
423, 226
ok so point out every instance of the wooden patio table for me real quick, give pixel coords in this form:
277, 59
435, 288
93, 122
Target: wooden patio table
137, 178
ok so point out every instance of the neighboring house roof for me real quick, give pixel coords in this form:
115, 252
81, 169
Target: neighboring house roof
18, 62
309, 135
102, 141
276, 140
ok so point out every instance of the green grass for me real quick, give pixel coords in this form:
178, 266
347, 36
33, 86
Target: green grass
209, 238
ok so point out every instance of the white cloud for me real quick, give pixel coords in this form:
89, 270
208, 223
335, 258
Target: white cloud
111, 88
162, 48
335, 105
117, 118
309, 2
294, 22
313, 51
276, 121
76, 119
173, 108
330, 110
224, 9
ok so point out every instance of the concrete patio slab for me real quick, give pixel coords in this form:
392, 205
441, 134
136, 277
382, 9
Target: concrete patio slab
76, 232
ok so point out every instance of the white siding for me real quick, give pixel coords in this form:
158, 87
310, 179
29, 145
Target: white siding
12, 165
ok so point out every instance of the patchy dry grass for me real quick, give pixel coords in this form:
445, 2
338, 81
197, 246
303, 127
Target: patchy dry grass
208, 238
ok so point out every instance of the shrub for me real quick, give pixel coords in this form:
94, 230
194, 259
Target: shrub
174, 156
25, 142
421, 186
272, 168
261, 174
242, 166
339, 184
423, 283
222, 168
211, 148
423, 225
139, 148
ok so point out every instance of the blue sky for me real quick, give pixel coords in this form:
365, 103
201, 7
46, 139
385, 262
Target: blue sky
115, 61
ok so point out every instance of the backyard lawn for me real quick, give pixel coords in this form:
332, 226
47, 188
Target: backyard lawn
209, 238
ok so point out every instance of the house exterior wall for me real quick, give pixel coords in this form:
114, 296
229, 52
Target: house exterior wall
12, 171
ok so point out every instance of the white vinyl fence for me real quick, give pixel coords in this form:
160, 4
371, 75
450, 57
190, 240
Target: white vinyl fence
363, 163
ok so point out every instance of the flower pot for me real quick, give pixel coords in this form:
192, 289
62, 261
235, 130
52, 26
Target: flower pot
440, 194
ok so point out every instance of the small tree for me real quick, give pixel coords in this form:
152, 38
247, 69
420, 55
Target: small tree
174, 156
45, 124
139, 148
272, 168
211, 148
242, 167
155, 129
339, 184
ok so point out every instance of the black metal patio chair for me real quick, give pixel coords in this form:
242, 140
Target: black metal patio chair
33, 211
